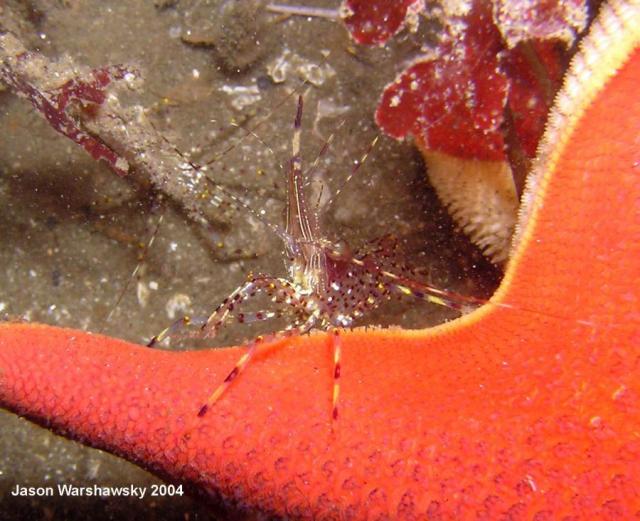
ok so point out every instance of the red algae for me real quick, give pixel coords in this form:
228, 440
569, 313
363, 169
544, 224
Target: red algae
476, 101
29, 75
526, 409
454, 100
375, 22
454, 104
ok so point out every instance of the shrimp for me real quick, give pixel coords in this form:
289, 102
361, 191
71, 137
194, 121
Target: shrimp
327, 286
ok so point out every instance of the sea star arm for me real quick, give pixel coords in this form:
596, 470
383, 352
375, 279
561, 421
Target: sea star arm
529, 408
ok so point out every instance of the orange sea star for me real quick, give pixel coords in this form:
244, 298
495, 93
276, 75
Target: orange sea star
527, 408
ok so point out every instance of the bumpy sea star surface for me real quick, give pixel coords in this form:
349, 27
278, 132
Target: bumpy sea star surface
527, 408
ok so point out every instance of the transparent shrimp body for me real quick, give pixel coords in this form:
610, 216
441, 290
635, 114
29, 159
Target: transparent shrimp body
327, 287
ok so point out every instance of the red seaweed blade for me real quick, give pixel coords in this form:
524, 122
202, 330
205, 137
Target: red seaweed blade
454, 100
374, 22
88, 90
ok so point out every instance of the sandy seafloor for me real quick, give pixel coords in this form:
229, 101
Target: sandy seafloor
71, 229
